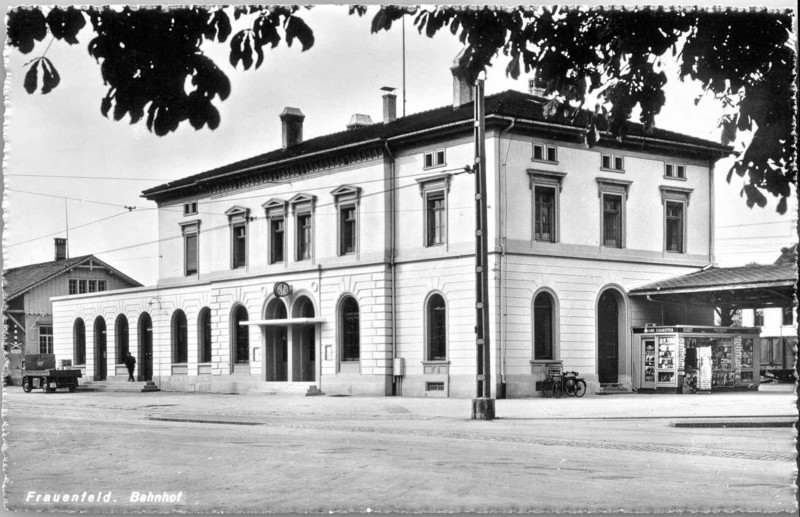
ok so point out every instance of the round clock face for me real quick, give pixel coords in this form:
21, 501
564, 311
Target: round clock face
282, 289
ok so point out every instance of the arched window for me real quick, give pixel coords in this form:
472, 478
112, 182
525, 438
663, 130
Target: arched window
240, 335
79, 341
121, 337
543, 326
204, 334
180, 340
436, 328
349, 333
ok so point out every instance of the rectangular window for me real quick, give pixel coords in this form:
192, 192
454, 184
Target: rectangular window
612, 162
674, 226
758, 317
788, 316
101, 285
347, 229
190, 253
81, 286
434, 386
303, 236
674, 170
190, 208
681, 170
612, 221
544, 214
45, 340
435, 158
92, 284
239, 246
276, 240
435, 217
544, 153
669, 170
73, 286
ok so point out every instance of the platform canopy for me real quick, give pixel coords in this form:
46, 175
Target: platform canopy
746, 287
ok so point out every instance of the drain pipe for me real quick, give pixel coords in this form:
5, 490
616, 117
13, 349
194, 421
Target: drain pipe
503, 257
397, 382
318, 329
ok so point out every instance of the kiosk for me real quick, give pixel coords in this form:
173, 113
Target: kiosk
689, 359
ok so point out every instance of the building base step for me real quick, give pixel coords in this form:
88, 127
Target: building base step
313, 391
120, 386
612, 388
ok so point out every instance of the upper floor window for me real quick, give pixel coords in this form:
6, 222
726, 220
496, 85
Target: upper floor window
675, 170
758, 317
613, 194
303, 207
82, 286
190, 233
436, 328
190, 208
545, 153
347, 199
45, 339
276, 213
676, 203
435, 158
238, 218
612, 162
674, 225
546, 187
434, 191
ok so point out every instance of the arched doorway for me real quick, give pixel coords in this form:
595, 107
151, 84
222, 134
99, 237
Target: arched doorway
303, 342
610, 332
79, 342
240, 341
145, 347
276, 352
100, 349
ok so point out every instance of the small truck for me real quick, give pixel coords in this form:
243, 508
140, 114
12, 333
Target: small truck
39, 371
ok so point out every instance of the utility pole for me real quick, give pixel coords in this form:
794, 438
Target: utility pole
483, 405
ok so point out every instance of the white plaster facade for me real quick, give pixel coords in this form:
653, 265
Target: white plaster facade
394, 271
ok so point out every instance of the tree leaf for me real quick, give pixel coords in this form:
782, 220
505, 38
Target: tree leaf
297, 28
50, 77
31, 77
25, 26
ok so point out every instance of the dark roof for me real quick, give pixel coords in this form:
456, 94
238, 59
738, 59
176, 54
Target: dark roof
510, 103
725, 278
20, 280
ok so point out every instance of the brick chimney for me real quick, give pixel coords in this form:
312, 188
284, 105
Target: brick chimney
61, 248
389, 104
463, 92
292, 126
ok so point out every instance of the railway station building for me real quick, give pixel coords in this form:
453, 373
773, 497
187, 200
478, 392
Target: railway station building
345, 263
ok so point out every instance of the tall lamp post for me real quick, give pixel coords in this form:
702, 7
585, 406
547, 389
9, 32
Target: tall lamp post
483, 404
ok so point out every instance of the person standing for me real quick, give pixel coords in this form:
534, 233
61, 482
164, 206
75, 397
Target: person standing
130, 362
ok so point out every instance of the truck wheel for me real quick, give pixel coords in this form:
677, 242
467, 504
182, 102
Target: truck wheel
73, 388
26, 384
47, 388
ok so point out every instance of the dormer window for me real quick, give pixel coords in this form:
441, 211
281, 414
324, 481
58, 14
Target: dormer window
435, 158
190, 208
545, 153
612, 162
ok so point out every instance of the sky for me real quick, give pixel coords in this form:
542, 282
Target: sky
60, 146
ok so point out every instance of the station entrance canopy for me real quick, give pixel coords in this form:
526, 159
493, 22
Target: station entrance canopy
729, 288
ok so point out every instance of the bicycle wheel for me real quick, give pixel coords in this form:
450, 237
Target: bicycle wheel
558, 389
580, 388
547, 388
570, 386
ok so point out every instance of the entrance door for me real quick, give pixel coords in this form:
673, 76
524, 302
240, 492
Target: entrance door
303, 342
276, 353
99, 349
608, 338
145, 347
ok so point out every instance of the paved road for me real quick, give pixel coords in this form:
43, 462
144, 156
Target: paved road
281, 454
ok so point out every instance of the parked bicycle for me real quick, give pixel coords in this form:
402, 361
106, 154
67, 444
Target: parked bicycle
573, 385
552, 386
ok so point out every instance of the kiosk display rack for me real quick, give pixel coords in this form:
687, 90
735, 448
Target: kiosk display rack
674, 358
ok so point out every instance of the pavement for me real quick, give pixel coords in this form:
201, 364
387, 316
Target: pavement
356, 454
